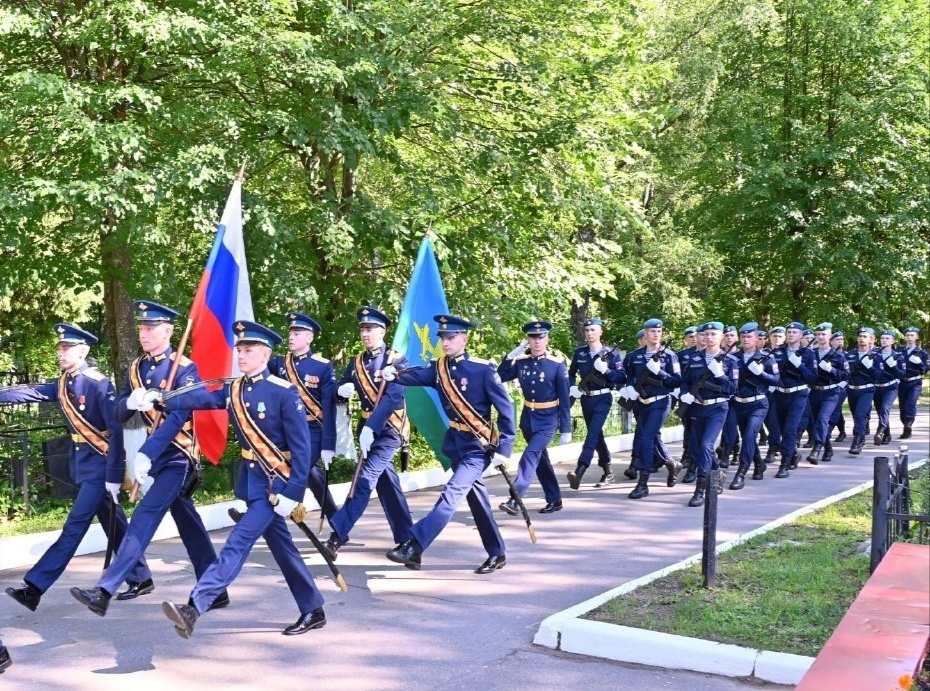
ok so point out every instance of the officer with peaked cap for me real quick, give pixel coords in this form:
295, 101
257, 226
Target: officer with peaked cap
886, 384
916, 366
86, 398
832, 372
797, 367
468, 388
170, 456
271, 426
864, 369
314, 378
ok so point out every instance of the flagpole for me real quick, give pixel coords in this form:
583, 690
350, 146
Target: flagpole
241, 173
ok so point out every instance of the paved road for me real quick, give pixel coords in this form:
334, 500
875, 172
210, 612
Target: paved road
443, 627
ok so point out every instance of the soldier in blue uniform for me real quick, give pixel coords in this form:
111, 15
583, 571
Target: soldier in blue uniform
838, 419
832, 372
776, 338
169, 456
806, 423
797, 367
864, 368
684, 414
729, 438
383, 429
315, 380
546, 410
86, 399
757, 372
886, 385
916, 365
599, 371
713, 377
468, 388
271, 426
652, 374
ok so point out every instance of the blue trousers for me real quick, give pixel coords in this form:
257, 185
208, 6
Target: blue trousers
164, 494
649, 421
535, 460
259, 521
771, 422
750, 417
884, 397
791, 407
594, 410
908, 393
708, 424
684, 413
377, 472
860, 405
838, 410
730, 434
822, 406
91, 501
805, 423
465, 483
317, 477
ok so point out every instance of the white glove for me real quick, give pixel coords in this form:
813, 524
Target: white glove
600, 365
327, 458
632, 394
687, 398
574, 392
715, 367
135, 398
142, 465
499, 460
866, 362
676, 392
389, 373
890, 361
565, 438
653, 366
755, 367
518, 351
113, 489
916, 360
284, 506
795, 359
346, 390
365, 439
825, 366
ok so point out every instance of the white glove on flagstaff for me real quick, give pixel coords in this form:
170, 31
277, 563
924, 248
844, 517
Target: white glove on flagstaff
825, 366
285, 506
365, 439
499, 460
916, 360
565, 438
600, 365
795, 359
346, 390
574, 392
142, 465
113, 489
389, 373
755, 367
653, 366
687, 398
327, 458
866, 362
135, 399
715, 367
518, 351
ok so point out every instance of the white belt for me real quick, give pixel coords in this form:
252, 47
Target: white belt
827, 387
918, 377
887, 383
712, 401
750, 399
860, 388
595, 393
653, 399
792, 389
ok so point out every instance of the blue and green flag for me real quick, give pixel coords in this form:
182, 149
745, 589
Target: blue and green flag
416, 338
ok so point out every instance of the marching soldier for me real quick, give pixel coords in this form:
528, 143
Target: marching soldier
684, 413
169, 456
886, 385
86, 399
712, 379
468, 387
797, 367
838, 420
383, 430
546, 410
864, 368
270, 421
776, 338
729, 438
916, 364
315, 380
832, 372
599, 371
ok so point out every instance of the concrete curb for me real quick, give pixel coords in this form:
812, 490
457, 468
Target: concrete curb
567, 631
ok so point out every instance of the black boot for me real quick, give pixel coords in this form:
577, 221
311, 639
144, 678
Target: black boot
763, 437
814, 456
97, 600
723, 455
184, 617
28, 596
735, 459
607, 478
739, 480
407, 553
906, 434
795, 459
642, 486
673, 467
827, 453
857, 442
879, 435
759, 466
886, 437
690, 474
810, 439
574, 477
697, 499
841, 426
783, 468
630, 472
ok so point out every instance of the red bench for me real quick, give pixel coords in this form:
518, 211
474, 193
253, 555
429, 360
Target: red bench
883, 638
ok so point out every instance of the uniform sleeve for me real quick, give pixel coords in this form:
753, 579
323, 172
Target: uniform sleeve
158, 441
808, 367
671, 373
419, 376
328, 403
391, 399
615, 375
562, 388
505, 418
297, 435
840, 371
507, 370
573, 369
116, 450
40, 393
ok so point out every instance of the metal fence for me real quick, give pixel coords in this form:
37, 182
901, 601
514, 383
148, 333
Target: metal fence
892, 519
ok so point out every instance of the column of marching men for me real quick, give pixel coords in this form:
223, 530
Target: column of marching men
734, 390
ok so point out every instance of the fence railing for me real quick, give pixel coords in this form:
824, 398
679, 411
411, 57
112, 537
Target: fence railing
891, 507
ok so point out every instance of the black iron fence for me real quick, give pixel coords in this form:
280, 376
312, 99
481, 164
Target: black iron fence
892, 519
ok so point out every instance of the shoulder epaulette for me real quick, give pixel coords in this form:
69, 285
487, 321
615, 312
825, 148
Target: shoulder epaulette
94, 374
521, 357
319, 358
479, 360
185, 361
280, 382
556, 357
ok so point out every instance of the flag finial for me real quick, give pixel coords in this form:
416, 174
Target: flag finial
241, 173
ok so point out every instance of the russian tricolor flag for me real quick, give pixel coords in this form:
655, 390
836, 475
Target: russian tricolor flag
222, 298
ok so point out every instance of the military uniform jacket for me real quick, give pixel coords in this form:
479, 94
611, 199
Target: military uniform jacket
709, 387
840, 371
751, 384
318, 378
275, 406
667, 380
543, 380
94, 396
886, 374
859, 375
803, 375
480, 385
913, 369
583, 364
392, 400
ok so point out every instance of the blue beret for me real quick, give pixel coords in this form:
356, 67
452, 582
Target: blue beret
777, 330
707, 326
866, 330
450, 324
889, 332
729, 329
749, 327
911, 329
690, 330
593, 321
836, 334
537, 328
69, 334
652, 324
296, 320
151, 313
373, 316
824, 326
253, 332
795, 325
640, 334
761, 334
807, 332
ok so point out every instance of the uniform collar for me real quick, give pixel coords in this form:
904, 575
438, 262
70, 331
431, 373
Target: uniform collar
309, 353
375, 352
83, 366
160, 357
258, 377
462, 356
